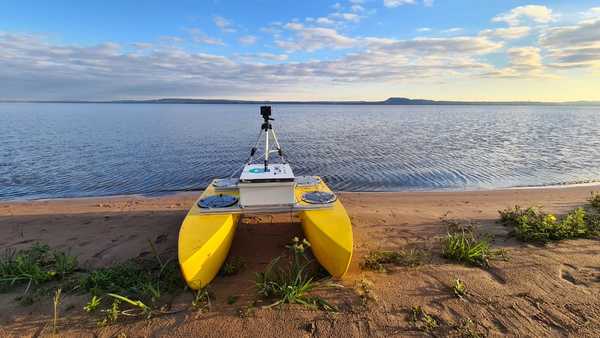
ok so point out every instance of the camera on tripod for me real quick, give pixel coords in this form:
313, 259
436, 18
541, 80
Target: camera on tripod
265, 111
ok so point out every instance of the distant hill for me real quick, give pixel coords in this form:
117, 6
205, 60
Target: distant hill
391, 101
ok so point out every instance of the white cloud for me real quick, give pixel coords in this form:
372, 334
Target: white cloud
509, 33
247, 40
573, 46
428, 3
200, 37
324, 21
539, 14
524, 62
452, 30
357, 8
424, 29
223, 24
261, 57
314, 38
396, 3
352, 17
525, 58
437, 46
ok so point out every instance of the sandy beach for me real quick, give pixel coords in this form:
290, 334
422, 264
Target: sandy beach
551, 290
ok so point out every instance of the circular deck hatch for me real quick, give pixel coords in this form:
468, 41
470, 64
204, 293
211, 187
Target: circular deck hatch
217, 201
318, 197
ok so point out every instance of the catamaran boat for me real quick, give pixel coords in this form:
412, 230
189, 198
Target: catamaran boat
269, 187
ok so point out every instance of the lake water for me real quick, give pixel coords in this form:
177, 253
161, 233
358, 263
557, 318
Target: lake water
67, 150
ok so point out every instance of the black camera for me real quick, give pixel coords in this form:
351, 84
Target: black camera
265, 111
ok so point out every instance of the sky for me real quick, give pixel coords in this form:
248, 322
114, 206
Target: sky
300, 50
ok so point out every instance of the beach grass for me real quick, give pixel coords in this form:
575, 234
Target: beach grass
35, 265
378, 260
534, 225
142, 278
232, 266
595, 200
289, 279
422, 320
466, 247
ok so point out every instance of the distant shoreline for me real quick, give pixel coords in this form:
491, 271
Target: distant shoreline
399, 101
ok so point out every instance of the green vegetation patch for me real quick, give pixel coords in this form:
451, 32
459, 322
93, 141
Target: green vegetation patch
422, 320
142, 278
289, 279
232, 266
378, 260
595, 200
459, 288
534, 225
467, 247
36, 265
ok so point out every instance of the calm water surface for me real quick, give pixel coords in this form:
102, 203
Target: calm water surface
66, 150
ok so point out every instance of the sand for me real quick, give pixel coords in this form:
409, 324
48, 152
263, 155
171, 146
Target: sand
539, 291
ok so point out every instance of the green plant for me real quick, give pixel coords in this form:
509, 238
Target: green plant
35, 265
534, 225
595, 200
289, 281
56, 301
465, 247
145, 279
232, 266
138, 305
459, 288
111, 314
93, 304
467, 329
377, 260
232, 299
422, 320
364, 290
201, 300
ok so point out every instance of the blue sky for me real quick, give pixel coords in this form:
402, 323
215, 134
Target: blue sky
356, 49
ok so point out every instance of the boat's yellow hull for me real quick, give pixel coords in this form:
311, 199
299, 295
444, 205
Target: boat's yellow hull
329, 232
204, 242
205, 239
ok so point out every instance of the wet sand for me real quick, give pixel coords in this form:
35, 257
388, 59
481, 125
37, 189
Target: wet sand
540, 291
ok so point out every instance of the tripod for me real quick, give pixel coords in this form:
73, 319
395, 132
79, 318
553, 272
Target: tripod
267, 128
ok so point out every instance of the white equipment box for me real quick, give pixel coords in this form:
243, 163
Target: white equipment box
275, 186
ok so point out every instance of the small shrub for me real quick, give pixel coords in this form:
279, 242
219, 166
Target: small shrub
467, 329
595, 200
36, 265
534, 225
287, 280
465, 247
201, 300
232, 266
377, 260
364, 289
459, 288
93, 304
422, 320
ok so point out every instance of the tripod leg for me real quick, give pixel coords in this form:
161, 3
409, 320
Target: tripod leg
266, 149
277, 144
